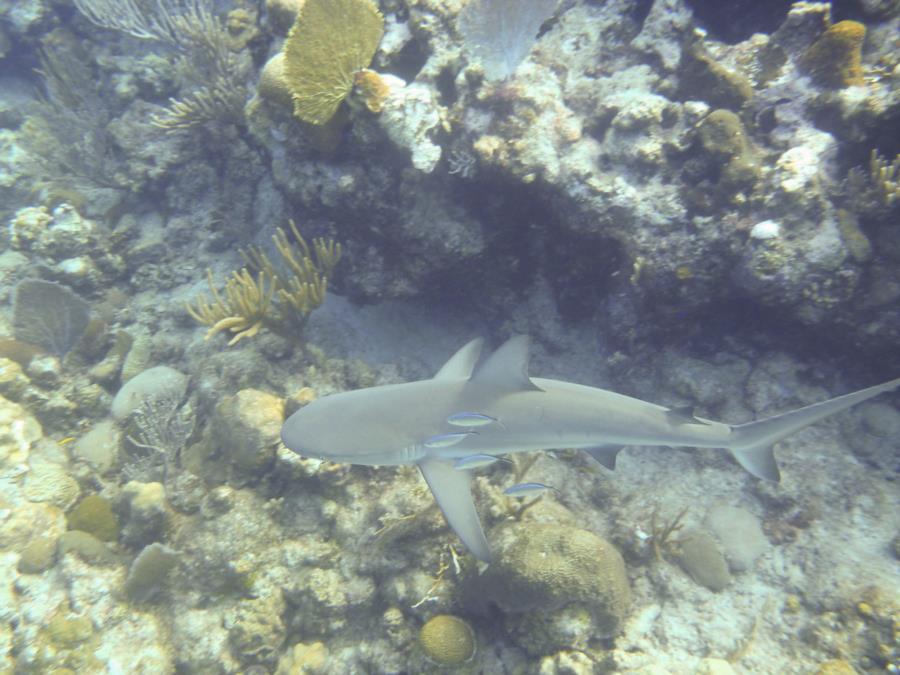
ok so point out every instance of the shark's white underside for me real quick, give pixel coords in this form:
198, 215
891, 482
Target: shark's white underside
409, 424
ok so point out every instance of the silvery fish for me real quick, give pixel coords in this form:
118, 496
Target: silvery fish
477, 461
446, 440
470, 419
527, 489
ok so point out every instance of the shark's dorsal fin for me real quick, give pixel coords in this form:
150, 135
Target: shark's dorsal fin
507, 367
452, 491
462, 363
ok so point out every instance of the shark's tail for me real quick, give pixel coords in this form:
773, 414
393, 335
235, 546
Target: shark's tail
751, 443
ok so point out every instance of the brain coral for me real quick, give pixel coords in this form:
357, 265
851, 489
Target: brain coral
447, 640
542, 567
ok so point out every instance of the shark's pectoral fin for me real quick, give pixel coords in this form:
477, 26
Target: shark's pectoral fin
605, 454
451, 488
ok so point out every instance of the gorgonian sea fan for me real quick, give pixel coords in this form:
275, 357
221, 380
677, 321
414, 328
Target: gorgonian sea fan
500, 33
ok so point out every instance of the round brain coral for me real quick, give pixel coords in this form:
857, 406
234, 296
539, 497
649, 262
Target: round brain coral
447, 640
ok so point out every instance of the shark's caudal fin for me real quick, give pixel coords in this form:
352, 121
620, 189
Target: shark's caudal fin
752, 443
451, 488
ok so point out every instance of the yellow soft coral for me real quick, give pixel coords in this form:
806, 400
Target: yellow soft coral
279, 296
835, 59
330, 41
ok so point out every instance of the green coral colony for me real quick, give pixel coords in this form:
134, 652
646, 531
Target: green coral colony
211, 209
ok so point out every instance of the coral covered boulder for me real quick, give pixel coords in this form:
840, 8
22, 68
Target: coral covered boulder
561, 584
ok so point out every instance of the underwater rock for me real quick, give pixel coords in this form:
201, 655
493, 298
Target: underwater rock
146, 513
699, 556
37, 556
149, 571
109, 368
49, 482
447, 640
27, 521
544, 568
247, 428
725, 141
157, 382
26, 226
99, 447
836, 667
326, 599
13, 381
568, 663
87, 547
702, 76
18, 430
272, 85
45, 371
711, 666
137, 359
94, 515
200, 642
411, 117
256, 630
873, 434
304, 658
740, 534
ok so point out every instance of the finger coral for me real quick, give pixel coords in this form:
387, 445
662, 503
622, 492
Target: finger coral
330, 41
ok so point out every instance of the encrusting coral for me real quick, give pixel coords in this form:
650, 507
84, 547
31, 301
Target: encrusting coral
330, 41
835, 59
279, 297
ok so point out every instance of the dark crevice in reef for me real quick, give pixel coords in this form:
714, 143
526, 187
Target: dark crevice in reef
737, 20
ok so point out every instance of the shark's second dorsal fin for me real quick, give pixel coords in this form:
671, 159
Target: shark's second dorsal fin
462, 363
507, 367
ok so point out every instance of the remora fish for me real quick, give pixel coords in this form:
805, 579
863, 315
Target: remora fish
408, 424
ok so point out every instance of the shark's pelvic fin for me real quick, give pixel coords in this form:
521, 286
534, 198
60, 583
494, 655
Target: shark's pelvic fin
462, 363
605, 454
752, 442
451, 489
507, 367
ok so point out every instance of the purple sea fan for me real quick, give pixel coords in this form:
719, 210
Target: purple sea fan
500, 33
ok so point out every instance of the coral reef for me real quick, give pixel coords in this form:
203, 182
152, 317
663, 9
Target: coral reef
691, 204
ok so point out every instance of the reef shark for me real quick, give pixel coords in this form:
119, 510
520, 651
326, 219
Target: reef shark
467, 413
